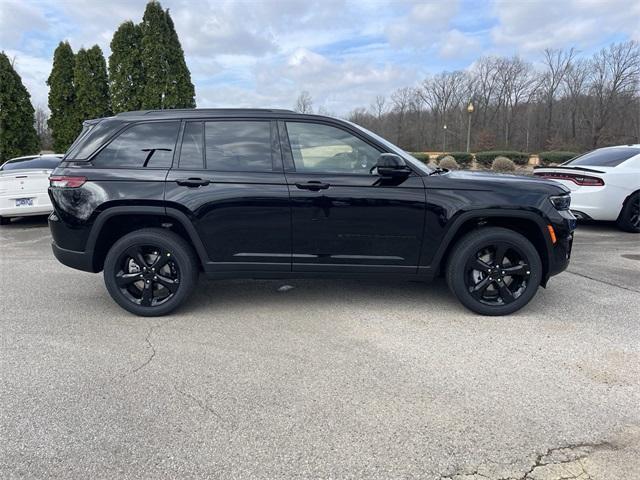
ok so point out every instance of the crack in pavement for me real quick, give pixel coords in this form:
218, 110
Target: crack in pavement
559, 463
203, 405
603, 281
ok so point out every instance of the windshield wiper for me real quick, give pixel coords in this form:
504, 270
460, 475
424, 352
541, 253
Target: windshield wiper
438, 171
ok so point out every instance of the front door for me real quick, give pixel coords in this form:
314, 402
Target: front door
345, 217
229, 181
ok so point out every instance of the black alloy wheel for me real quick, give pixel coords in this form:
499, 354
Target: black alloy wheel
494, 271
497, 274
150, 272
148, 275
629, 219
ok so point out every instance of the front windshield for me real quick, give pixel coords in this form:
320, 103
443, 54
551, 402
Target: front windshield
395, 149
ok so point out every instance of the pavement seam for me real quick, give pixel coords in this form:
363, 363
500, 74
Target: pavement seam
603, 281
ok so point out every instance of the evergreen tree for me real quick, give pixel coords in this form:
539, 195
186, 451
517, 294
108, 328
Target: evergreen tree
167, 81
90, 79
17, 132
126, 77
63, 121
180, 91
155, 34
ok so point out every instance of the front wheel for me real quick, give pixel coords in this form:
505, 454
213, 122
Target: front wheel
150, 272
494, 271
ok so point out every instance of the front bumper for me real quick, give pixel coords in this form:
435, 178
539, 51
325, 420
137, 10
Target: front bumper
560, 253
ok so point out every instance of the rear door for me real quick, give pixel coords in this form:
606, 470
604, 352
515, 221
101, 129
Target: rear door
229, 181
345, 217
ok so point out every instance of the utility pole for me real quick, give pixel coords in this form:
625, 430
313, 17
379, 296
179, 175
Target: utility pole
469, 111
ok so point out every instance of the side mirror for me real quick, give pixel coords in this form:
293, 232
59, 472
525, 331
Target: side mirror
391, 165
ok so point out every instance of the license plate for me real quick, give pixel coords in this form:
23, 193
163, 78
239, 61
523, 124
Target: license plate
24, 202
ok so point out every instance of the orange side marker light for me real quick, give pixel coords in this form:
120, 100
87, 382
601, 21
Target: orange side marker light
552, 234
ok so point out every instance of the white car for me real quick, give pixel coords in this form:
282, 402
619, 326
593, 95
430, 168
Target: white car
604, 183
23, 186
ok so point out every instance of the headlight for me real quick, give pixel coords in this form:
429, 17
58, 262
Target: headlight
561, 202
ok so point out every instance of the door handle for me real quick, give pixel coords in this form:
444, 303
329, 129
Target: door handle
192, 182
313, 185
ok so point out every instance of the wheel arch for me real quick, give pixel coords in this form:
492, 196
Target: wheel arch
115, 222
529, 224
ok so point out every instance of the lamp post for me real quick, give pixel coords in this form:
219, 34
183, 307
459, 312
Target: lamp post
444, 138
469, 111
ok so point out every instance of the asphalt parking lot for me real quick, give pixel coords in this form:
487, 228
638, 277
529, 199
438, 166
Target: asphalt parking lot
329, 379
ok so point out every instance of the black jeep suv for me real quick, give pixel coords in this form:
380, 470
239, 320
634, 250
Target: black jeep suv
154, 197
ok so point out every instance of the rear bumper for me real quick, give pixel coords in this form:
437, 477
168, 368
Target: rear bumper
73, 259
41, 205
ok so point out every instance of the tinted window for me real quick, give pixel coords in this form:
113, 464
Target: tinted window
144, 145
93, 137
321, 148
39, 163
192, 152
605, 157
238, 146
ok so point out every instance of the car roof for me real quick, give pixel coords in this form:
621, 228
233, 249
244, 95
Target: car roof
36, 155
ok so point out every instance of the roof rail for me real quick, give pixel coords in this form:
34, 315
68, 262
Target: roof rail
174, 111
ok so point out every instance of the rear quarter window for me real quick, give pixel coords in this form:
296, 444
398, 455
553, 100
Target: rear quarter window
143, 145
605, 157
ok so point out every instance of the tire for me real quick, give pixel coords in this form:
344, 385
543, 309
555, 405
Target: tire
5, 221
483, 285
629, 218
150, 272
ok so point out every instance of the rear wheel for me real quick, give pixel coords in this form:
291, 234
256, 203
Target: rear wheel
629, 219
494, 271
150, 272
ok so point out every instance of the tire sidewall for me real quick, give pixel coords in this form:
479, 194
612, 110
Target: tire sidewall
181, 255
468, 246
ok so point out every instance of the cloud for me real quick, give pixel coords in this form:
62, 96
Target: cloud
344, 52
457, 44
534, 26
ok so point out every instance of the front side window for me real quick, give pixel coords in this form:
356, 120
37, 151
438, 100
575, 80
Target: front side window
238, 146
145, 145
322, 148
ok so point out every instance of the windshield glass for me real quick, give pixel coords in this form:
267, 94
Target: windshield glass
395, 149
605, 157
36, 163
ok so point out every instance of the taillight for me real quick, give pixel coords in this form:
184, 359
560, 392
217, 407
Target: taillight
578, 179
63, 181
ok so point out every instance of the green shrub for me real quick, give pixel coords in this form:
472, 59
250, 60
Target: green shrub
449, 163
486, 158
422, 156
503, 164
464, 159
547, 158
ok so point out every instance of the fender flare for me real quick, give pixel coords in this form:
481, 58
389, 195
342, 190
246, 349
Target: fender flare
172, 213
463, 218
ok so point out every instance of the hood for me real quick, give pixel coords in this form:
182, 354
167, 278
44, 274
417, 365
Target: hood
496, 181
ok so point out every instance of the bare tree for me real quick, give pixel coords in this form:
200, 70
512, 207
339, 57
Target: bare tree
557, 63
42, 129
616, 73
304, 103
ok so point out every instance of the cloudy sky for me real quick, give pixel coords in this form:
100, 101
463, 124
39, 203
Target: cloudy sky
262, 53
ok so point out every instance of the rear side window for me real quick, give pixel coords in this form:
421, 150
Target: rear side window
238, 146
145, 145
605, 157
